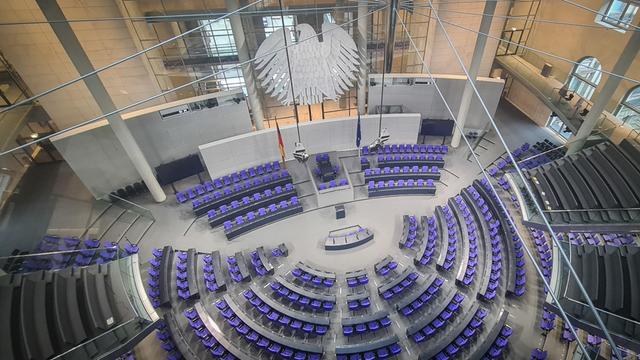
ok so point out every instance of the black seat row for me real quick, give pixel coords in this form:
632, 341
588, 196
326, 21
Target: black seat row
49, 312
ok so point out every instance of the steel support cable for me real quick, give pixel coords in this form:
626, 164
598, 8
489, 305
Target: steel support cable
532, 49
140, 102
477, 160
527, 187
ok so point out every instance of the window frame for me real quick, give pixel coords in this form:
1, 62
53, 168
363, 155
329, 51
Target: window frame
580, 79
625, 105
604, 18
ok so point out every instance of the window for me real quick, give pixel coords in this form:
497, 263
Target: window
218, 38
230, 79
629, 109
585, 77
273, 23
618, 13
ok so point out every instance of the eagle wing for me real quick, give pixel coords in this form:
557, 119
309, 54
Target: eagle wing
341, 56
272, 68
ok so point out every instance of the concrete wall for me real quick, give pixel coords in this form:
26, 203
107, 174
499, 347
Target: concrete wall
242, 151
38, 56
528, 103
574, 43
97, 157
424, 99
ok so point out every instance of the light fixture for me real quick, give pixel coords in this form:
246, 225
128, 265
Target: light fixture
300, 153
513, 29
379, 142
34, 135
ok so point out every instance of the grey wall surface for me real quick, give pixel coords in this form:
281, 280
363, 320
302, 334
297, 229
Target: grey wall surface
424, 99
242, 151
97, 157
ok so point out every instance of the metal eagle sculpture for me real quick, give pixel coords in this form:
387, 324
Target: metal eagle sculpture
321, 70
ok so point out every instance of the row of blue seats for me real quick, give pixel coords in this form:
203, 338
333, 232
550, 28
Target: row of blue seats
311, 278
259, 341
382, 159
499, 344
408, 281
452, 239
278, 317
214, 347
370, 326
544, 252
425, 254
472, 235
182, 282
379, 353
253, 215
441, 320
515, 254
409, 231
219, 195
333, 184
209, 274
496, 252
166, 343
360, 279
397, 170
258, 265
246, 201
358, 304
227, 180
385, 269
373, 186
293, 296
465, 337
407, 148
423, 298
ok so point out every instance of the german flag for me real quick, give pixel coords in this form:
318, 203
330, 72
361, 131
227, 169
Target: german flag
280, 143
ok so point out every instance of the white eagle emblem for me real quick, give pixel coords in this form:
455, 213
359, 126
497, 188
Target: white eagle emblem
321, 70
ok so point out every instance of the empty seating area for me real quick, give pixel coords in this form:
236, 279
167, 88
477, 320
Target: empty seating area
228, 211
357, 278
408, 149
377, 349
281, 315
405, 173
317, 277
263, 338
491, 241
301, 296
227, 180
410, 231
260, 262
254, 219
496, 341
348, 238
427, 292
238, 269
401, 187
436, 321
47, 313
601, 177
85, 254
384, 266
449, 238
427, 249
468, 227
395, 286
358, 300
214, 279
159, 279
364, 324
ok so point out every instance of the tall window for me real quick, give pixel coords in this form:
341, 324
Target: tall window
619, 13
273, 23
629, 109
585, 77
218, 38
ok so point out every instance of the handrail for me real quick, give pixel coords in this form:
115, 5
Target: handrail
583, 210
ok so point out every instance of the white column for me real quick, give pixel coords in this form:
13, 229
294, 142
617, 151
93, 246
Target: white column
362, 46
467, 94
591, 120
80, 60
247, 71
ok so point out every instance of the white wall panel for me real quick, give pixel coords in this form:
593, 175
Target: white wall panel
242, 151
